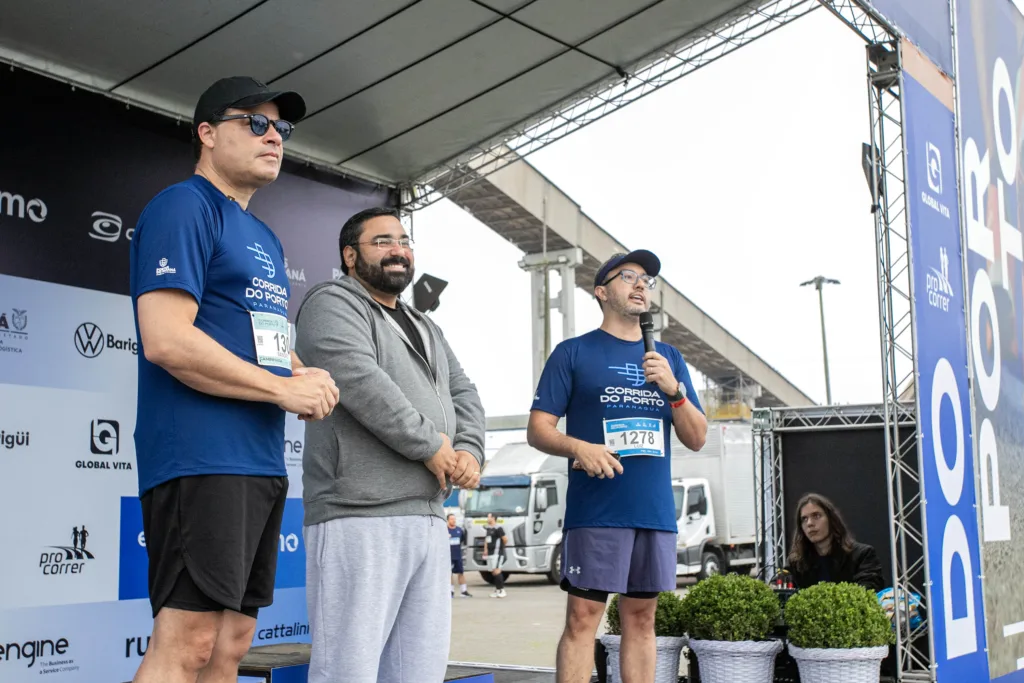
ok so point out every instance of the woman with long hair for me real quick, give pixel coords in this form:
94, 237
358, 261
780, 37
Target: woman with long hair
824, 551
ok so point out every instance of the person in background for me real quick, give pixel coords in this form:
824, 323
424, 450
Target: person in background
495, 543
457, 541
823, 550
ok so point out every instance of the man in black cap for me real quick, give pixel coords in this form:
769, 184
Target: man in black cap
621, 404
216, 377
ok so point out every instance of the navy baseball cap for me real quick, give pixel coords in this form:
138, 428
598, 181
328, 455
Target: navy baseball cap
244, 92
643, 258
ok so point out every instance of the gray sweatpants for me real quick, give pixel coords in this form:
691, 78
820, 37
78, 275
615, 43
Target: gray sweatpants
378, 599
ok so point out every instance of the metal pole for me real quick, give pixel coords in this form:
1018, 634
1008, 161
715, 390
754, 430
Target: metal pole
819, 282
824, 344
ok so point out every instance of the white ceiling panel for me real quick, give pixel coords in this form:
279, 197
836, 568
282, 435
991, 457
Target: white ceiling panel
395, 88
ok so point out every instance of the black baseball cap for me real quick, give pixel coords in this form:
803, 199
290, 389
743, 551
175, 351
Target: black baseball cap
244, 92
643, 258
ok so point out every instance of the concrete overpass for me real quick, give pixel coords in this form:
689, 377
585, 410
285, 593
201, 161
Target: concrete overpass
516, 200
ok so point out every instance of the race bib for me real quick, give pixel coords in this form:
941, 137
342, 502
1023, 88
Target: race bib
629, 436
454, 540
273, 346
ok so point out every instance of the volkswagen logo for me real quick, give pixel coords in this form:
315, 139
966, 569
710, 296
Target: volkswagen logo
89, 340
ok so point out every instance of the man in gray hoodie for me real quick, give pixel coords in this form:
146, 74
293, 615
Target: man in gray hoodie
407, 426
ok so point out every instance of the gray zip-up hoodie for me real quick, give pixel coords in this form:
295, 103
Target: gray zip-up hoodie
366, 458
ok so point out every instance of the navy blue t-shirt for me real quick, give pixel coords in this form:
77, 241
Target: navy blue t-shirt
194, 238
595, 377
455, 540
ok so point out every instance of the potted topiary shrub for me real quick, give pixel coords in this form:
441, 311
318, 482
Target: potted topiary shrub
668, 637
838, 632
727, 620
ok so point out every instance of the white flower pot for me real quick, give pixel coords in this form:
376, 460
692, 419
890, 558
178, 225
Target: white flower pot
667, 666
855, 665
722, 661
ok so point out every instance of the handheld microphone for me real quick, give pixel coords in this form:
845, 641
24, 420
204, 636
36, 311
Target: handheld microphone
647, 329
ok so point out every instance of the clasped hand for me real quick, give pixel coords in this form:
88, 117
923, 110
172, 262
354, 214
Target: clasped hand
461, 466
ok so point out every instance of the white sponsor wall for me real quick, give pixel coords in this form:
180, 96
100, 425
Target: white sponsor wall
73, 566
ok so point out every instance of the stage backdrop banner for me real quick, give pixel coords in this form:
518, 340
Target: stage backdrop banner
955, 607
926, 23
74, 602
990, 58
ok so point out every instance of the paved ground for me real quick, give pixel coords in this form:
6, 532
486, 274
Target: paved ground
521, 629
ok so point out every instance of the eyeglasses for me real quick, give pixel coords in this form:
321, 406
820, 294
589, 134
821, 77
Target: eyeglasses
630, 277
259, 124
387, 243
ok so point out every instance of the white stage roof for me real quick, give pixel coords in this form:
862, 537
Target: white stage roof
396, 89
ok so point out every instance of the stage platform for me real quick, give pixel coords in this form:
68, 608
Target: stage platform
289, 663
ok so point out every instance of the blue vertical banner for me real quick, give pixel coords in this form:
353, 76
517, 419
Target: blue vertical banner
956, 608
925, 23
990, 68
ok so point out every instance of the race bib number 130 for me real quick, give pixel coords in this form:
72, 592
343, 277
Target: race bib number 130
271, 334
635, 436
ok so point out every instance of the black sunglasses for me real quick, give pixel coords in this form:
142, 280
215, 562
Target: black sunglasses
259, 124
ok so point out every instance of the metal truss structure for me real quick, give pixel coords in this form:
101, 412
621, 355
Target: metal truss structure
896, 414
895, 291
769, 424
742, 27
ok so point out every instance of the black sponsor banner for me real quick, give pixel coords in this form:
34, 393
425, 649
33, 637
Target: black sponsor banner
79, 168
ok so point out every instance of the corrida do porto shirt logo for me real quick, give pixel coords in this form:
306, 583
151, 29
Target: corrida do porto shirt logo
263, 293
639, 395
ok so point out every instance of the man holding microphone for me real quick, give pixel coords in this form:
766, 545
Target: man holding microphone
620, 403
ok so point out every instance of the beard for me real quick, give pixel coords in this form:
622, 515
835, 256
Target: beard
374, 274
626, 308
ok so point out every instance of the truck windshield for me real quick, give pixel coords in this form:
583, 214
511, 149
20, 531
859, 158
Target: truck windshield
499, 500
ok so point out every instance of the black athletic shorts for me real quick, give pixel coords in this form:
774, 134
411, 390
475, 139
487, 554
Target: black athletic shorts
212, 542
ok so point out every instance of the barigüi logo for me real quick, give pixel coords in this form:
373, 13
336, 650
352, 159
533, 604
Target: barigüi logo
90, 341
10, 440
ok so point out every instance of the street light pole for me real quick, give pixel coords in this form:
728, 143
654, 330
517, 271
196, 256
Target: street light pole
819, 283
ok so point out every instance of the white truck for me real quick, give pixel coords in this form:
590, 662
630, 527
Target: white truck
714, 496
525, 489
713, 491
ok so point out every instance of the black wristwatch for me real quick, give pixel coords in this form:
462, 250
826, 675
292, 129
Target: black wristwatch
678, 396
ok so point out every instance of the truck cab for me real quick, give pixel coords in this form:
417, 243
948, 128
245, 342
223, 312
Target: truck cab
695, 519
525, 490
714, 497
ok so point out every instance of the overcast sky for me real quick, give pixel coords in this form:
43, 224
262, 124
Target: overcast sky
745, 179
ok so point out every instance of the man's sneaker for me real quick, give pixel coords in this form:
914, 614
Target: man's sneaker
467, 594
502, 593
496, 594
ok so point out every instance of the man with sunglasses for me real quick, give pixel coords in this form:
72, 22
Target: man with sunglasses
216, 377
375, 475
620, 404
